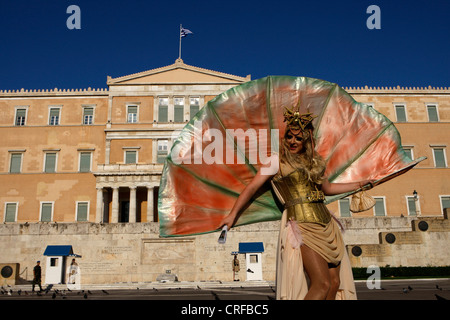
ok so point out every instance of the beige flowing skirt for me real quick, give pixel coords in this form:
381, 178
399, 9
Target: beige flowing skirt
292, 282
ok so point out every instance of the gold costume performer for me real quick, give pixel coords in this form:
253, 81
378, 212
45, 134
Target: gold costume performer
312, 262
332, 146
307, 221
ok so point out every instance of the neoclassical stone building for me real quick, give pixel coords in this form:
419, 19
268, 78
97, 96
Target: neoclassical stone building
82, 167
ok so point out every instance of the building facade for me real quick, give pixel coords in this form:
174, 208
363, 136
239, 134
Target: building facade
82, 167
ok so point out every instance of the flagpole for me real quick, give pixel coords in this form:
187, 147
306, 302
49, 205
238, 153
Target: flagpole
179, 50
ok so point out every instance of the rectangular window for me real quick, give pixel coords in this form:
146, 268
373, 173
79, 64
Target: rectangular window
132, 113
162, 151
130, 156
179, 110
54, 262
82, 211
412, 208
46, 211
50, 162
344, 207
88, 115
400, 112
194, 106
10, 212
163, 110
445, 202
409, 152
439, 158
54, 116
379, 208
16, 163
85, 161
20, 117
432, 113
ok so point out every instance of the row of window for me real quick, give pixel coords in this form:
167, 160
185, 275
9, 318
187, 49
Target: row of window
401, 114
178, 109
379, 210
50, 161
85, 158
178, 112
54, 115
131, 157
54, 112
46, 211
439, 157
82, 208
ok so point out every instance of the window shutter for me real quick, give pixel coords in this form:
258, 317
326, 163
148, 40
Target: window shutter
85, 162
163, 114
16, 159
46, 212
82, 211
10, 212
130, 157
50, 162
439, 158
379, 207
432, 114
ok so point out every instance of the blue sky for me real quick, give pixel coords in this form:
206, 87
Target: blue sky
321, 39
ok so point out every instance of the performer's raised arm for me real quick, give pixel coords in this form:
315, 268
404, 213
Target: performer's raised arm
248, 192
337, 188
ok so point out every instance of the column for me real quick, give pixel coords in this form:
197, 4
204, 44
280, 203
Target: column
99, 207
115, 205
132, 214
150, 204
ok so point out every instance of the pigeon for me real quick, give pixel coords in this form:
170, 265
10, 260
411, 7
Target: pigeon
410, 288
439, 288
105, 292
439, 297
405, 290
85, 296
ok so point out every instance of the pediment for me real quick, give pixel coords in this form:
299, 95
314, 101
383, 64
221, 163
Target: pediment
178, 73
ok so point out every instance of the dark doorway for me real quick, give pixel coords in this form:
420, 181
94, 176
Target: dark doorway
124, 213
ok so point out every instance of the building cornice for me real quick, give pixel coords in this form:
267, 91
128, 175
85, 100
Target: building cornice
53, 92
397, 90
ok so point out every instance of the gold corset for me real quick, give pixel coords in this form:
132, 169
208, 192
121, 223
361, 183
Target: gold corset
301, 199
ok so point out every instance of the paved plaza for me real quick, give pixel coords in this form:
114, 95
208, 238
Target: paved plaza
419, 289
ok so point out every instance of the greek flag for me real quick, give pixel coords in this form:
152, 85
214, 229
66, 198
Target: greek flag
184, 32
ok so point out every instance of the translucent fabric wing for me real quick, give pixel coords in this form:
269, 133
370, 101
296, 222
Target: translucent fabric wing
221, 149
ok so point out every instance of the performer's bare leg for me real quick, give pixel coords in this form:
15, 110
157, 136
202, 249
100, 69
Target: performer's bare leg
335, 282
318, 272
